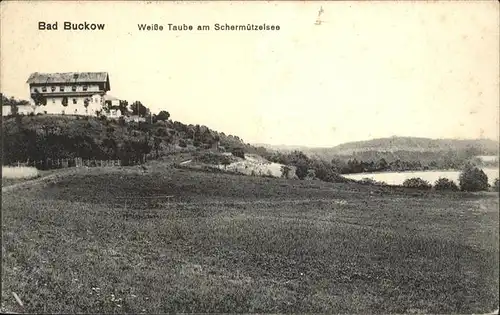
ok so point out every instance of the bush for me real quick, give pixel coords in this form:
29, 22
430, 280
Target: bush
238, 152
212, 158
445, 184
496, 184
417, 182
121, 121
163, 115
473, 178
182, 143
285, 171
371, 181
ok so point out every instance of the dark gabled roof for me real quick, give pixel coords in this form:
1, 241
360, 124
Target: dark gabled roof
67, 77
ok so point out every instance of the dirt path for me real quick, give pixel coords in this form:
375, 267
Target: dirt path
38, 180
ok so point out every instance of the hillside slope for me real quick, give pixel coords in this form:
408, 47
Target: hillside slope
60, 137
414, 144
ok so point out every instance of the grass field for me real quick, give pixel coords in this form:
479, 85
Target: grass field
230, 243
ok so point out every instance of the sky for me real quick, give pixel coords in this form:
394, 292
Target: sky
369, 70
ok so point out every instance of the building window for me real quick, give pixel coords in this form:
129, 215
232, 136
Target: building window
73, 88
45, 112
53, 101
36, 90
85, 88
44, 89
74, 101
76, 110
61, 89
53, 88
62, 111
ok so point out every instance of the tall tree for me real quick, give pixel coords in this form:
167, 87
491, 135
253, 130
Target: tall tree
163, 115
123, 107
14, 110
39, 98
139, 109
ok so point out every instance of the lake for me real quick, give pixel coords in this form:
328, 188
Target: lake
397, 178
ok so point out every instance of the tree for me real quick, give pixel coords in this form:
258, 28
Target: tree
38, 98
14, 110
338, 165
473, 179
163, 115
64, 101
123, 107
285, 171
445, 184
417, 182
238, 152
139, 109
226, 162
121, 121
382, 164
472, 151
182, 143
157, 145
311, 174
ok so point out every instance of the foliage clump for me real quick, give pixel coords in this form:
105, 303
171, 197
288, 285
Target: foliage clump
238, 152
417, 182
371, 181
496, 185
213, 158
473, 178
445, 184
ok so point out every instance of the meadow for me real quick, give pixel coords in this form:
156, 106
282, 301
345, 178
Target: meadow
232, 243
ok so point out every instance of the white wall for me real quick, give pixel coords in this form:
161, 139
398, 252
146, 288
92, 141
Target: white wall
54, 106
6, 110
21, 109
114, 113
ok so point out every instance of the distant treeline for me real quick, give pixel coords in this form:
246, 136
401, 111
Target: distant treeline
353, 166
306, 167
325, 170
12, 101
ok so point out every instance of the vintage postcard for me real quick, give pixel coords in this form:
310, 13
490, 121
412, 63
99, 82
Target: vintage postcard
250, 157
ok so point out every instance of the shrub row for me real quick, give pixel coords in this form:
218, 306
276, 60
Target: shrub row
471, 179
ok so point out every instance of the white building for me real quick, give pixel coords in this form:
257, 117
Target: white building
71, 93
112, 107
